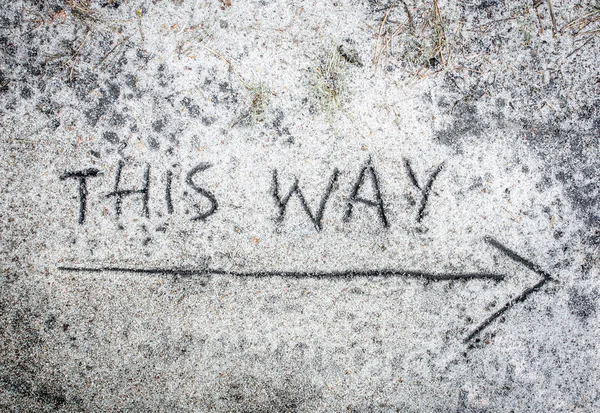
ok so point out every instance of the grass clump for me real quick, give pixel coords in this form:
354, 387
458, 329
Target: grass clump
257, 108
258, 104
330, 81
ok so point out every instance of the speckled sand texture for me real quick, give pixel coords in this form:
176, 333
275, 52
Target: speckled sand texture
299, 206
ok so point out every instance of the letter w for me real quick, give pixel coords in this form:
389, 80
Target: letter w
282, 202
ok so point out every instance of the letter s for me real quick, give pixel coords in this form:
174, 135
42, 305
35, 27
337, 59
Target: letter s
202, 215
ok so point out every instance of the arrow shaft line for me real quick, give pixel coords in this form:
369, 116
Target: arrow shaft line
384, 273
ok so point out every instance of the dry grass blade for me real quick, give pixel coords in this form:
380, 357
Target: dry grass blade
229, 65
111, 51
411, 22
552, 17
388, 38
385, 17
440, 34
75, 55
596, 31
582, 22
536, 5
81, 10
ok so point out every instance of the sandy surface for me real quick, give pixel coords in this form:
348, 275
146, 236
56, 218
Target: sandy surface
359, 206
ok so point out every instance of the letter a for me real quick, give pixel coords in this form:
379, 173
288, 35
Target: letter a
354, 197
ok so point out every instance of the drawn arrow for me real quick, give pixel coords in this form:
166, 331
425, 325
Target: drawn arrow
347, 274
519, 298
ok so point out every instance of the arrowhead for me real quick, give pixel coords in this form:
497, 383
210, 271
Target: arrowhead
519, 298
